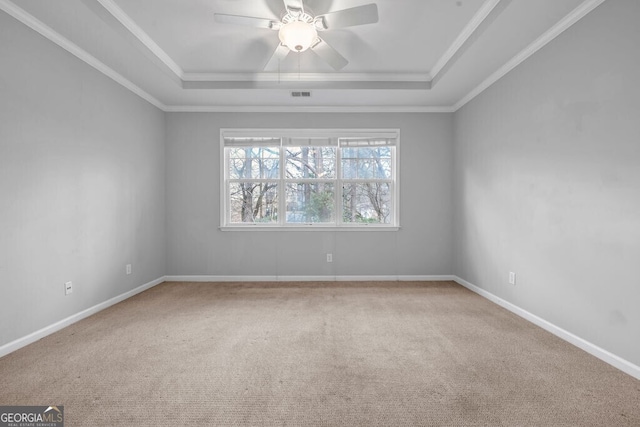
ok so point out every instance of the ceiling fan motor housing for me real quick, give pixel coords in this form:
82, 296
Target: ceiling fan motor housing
298, 33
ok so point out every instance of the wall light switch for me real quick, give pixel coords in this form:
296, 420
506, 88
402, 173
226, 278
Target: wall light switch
68, 288
512, 278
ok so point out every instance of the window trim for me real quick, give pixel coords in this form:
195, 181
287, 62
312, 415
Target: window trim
332, 133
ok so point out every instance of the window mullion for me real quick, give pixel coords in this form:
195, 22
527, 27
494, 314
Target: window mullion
225, 185
338, 192
393, 187
282, 205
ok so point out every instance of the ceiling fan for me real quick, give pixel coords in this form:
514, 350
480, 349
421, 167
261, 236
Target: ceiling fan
298, 30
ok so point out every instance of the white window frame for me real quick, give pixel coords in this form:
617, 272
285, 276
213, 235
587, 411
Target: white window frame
335, 135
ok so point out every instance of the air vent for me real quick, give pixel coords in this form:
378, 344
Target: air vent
298, 94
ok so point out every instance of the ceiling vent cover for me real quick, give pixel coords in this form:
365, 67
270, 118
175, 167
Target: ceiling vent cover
301, 94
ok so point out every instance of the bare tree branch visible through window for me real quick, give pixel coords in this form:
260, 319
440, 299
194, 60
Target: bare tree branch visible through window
309, 180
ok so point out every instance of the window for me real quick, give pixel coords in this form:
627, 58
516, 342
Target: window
302, 179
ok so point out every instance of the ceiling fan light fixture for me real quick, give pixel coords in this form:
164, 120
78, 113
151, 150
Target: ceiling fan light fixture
298, 36
298, 29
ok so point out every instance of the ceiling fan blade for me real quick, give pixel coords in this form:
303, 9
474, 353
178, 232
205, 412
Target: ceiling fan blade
247, 20
360, 15
279, 54
329, 54
294, 7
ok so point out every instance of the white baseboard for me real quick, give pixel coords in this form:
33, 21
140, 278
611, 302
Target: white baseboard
48, 330
594, 350
590, 348
402, 278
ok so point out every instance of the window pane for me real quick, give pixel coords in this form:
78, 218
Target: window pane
253, 202
310, 162
349, 168
310, 202
339, 177
366, 163
367, 203
254, 162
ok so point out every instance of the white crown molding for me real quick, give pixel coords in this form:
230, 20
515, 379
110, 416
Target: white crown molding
574, 16
306, 77
156, 50
305, 109
41, 28
38, 26
467, 31
141, 35
594, 350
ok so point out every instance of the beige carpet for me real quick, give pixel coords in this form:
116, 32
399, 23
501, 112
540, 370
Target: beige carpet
315, 354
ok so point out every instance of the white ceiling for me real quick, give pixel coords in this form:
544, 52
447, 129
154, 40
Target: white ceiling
422, 55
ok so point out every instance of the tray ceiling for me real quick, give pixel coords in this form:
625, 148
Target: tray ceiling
422, 55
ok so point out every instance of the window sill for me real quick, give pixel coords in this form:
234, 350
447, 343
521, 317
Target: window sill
307, 228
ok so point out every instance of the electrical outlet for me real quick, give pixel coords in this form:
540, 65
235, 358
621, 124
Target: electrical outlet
512, 278
329, 257
68, 288
127, 268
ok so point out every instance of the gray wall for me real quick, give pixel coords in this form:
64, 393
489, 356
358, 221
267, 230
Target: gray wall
196, 246
82, 184
547, 182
